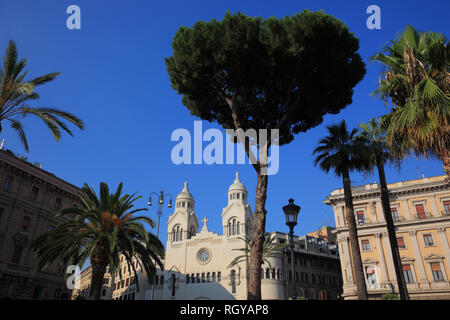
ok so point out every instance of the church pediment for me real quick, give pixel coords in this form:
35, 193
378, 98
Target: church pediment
174, 269
232, 206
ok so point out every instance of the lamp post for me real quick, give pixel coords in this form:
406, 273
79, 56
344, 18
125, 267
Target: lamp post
161, 197
291, 213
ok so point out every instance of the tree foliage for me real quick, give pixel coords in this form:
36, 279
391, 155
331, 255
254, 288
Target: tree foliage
415, 78
281, 73
103, 230
16, 93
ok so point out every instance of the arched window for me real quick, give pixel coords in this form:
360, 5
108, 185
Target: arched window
203, 277
208, 277
198, 277
219, 276
237, 195
262, 273
187, 279
278, 274
156, 280
267, 273
161, 280
233, 281
273, 273
213, 277
237, 228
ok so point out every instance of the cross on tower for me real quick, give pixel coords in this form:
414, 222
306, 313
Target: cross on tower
205, 220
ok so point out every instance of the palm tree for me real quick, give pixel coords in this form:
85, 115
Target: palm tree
271, 249
103, 231
339, 151
16, 93
375, 138
415, 77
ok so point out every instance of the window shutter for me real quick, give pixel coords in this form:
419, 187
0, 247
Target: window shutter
435, 266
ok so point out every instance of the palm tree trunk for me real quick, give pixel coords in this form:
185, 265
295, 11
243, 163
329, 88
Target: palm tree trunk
360, 281
445, 158
256, 247
391, 231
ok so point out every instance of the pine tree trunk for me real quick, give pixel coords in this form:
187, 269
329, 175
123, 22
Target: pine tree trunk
259, 230
360, 281
98, 262
391, 231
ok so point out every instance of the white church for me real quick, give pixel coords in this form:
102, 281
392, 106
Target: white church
197, 260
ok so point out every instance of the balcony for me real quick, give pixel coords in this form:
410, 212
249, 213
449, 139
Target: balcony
398, 219
445, 212
423, 216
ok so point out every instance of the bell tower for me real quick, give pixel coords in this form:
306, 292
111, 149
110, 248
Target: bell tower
237, 217
183, 223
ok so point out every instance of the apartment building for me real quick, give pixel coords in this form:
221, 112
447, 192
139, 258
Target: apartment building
421, 213
29, 199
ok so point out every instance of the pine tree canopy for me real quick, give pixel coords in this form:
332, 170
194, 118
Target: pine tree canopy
246, 72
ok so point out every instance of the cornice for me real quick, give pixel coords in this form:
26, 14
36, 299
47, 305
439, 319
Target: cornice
393, 193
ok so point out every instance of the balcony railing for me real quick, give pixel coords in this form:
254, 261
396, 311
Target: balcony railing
398, 219
446, 212
423, 216
363, 221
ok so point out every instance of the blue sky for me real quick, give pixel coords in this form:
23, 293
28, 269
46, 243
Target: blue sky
113, 76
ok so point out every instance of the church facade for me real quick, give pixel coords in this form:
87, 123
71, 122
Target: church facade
197, 262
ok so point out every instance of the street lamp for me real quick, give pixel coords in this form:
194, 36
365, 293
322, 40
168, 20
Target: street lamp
291, 213
159, 214
160, 205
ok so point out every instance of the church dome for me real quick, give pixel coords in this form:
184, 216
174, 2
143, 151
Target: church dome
237, 184
185, 194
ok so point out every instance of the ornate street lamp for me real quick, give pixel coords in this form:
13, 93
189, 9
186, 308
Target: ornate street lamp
291, 214
159, 214
160, 205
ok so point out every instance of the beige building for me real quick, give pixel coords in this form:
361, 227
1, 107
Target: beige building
421, 214
29, 199
83, 285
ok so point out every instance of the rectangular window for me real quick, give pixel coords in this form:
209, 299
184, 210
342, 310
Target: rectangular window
420, 210
407, 274
365, 245
17, 254
34, 193
446, 207
371, 276
7, 183
360, 216
437, 272
25, 223
58, 202
103, 292
395, 215
428, 239
401, 243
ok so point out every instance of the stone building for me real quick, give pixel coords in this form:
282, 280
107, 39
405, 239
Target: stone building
421, 213
83, 285
29, 199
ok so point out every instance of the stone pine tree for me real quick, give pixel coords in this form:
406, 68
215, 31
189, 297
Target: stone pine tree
248, 73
